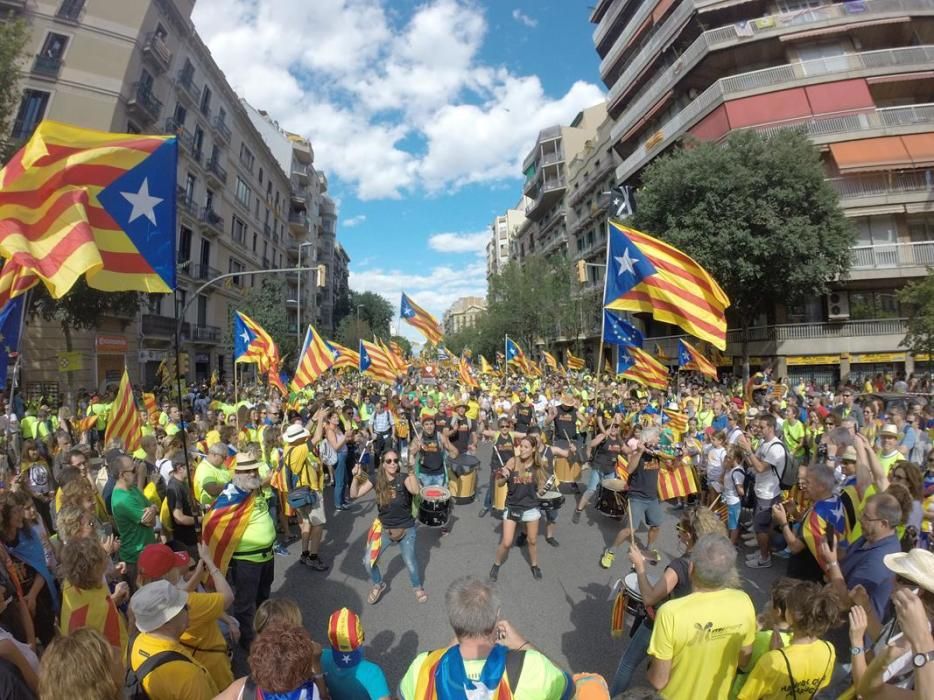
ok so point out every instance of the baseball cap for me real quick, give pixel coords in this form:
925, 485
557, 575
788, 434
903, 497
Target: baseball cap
345, 634
156, 603
156, 560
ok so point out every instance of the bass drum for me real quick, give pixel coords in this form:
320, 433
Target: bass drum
612, 500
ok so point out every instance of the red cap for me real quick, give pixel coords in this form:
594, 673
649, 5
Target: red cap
156, 560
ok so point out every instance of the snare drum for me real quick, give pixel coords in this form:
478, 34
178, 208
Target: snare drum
634, 604
551, 500
464, 464
612, 500
435, 506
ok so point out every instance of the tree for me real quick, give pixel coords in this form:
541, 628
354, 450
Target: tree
350, 331
919, 296
14, 35
265, 304
374, 309
757, 213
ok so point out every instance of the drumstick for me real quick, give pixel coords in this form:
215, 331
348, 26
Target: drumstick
632, 530
711, 506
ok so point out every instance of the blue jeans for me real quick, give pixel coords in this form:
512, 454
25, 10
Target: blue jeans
407, 545
340, 478
636, 652
488, 498
596, 476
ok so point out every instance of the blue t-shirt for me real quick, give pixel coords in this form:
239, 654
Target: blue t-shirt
365, 681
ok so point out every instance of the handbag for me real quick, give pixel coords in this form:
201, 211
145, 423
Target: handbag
327, 453
299, 496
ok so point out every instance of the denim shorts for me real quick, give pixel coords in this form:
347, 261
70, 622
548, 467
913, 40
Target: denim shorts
525, 516
646, 509
732, 515
432, 479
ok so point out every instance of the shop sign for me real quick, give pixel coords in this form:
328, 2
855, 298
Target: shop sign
874, 357
111, 344
797, 360
70, 361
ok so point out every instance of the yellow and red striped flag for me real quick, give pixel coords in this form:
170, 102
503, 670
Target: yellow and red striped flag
574, 363
374, 542
150, 404
397, 349
690, 358
376, 362
466, 376
124, 420
77, 202
87, 423
639, 366
94, 609
345, 356
676, 482
315, 359
252, 344
416, 316
645, 274
677, 420
224, 524
550, 360
398, 364
484, 366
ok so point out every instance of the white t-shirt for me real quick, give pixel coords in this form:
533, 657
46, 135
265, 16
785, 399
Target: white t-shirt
165, 469
733, 435
767, 485
715, 457
735, 476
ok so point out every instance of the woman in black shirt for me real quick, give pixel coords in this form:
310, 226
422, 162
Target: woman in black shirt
394, 522
524, 475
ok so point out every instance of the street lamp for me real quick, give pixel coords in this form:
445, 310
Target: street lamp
298, 310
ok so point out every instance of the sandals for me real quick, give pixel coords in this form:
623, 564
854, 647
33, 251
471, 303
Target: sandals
420, 595
376, 593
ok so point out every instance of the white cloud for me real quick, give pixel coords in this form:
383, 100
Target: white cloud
392, 104
354, 221
523, 18
460, 242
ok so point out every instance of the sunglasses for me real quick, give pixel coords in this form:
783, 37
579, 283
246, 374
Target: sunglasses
391, 460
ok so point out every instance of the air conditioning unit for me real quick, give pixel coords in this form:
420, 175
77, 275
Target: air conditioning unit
838, 306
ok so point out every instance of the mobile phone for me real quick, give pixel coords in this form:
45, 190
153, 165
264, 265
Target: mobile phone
829, 534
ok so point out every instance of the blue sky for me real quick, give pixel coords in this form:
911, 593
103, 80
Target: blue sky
419, 112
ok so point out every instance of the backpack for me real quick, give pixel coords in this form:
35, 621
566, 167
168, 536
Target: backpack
749, 489
789, 474
133, 683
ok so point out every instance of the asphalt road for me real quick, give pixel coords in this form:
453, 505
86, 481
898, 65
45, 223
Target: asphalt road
566, 615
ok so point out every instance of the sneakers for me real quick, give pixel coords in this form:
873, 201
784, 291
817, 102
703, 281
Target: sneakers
536, 573
576, 518
552, 541
522, 539
655, 557
314, 563
280, 550
494, 572
606, 561
484, 511
759, 563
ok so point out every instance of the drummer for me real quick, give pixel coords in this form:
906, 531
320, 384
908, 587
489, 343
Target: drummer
503, 450
462, 432
607, 447
547, 454
563, 419
427, 453
394, 523
523, 412
524, 476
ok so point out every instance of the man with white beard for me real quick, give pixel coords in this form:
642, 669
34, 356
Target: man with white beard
252, 566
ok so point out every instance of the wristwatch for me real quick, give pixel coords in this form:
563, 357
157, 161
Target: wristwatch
918, 660
855, 651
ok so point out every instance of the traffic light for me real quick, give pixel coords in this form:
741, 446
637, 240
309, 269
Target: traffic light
581, 271
321, 274
183, 364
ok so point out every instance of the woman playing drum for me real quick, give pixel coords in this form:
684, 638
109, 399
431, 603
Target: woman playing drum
394, 523
525, 477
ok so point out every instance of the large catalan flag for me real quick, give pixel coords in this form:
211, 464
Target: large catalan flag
573, 362
398, 364
550, 360
639, 366
252, 344
92, 609
344, 357
466, 375
830, 511
645, 274
416, 316
224, 524
124, 420
314, 360
690, 358
376, 363
76, 202
676, 482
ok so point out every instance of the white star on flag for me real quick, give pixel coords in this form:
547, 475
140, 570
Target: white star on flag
626, 263
143, 203
246, 337
346, 658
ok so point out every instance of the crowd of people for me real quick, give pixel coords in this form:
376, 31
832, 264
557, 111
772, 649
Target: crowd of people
148, 571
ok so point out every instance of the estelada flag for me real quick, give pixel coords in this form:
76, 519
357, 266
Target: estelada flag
416, 316
466, 375
376, 363
550, 360
690, 358
252, 344
225, 523
77, 202
575, 363
94, 609
124, 422
345, 356
676, 482
315, 359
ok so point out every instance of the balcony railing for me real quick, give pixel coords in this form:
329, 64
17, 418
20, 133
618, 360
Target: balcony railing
218, 170
212, 219
298, 218
205, 334
892, 255
609, 18
883, 118
873, 62
549, 158
185, 139
158, 325
549, 134
185, 82
221, 128
883, 184
203, 272
144, 102
48, 66
156, 49
326, 208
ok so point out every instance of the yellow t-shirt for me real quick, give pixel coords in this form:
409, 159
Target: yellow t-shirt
473, 410
206, 473
175, 680
811, 666
305, 467
259, 536
212, 438
203, 637
702, 634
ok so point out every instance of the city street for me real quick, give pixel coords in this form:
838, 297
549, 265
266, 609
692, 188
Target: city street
566, 614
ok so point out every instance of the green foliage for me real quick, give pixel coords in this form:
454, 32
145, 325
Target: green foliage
374, 309
919, 296
14, 35
350, 331
82, 306
756, 212
265, 304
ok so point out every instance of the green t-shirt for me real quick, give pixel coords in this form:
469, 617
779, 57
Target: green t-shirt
260, 534
128, 506
794, 437
540, 679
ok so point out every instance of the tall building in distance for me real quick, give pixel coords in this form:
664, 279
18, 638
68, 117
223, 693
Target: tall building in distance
246, 201
502, 231
462, 314
855, 77
335, 259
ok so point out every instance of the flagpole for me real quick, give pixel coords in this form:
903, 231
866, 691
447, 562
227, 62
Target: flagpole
178, 380
606, 275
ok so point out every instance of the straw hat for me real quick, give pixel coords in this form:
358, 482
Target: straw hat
245, 463
916, 565
295, 432
889, 429
849, 454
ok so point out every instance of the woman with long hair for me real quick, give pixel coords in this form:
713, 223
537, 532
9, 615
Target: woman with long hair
81, 666
36, 477
338, 440
394, 523
524, 475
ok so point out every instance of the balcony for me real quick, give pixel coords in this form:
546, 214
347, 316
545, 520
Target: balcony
187, 206
326, 207
892, 257
221, 130
267, 264
203, 272
195, 153
216, 171
184, 137
298, 222
901, 60
549, 134
157, 53
210, 335
608, 20
550, 192
70, 10
300, 172
884, 121
212, 222
903, 187
47, 66
153, 325
187, 88
143, 104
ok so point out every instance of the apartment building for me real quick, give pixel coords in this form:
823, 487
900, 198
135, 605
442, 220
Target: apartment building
139, 66
502, 231
546, 178
854, 76
463, 313
333, 298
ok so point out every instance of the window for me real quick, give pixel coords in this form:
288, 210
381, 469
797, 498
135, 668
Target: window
191, 182
205, 101
215, 155
197, 143
71, 9
31, 111
209, 200
131, 128
145, 81
876, 230
188, 72
202, 310
256, 208
874, 304
235, 266
261, 176
155, 304
246, 157
180, 115
221, 115
823, 58
238, 230
255, 241
52, 52
242, 192
184, 245
161, 32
